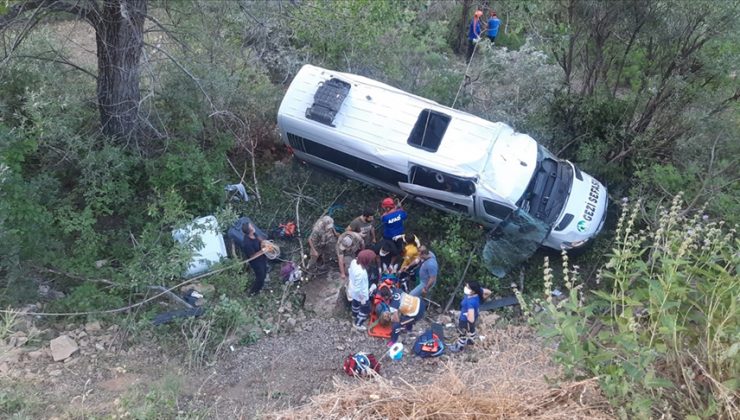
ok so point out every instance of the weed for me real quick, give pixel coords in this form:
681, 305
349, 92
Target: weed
662, 336
17, 402
8, 321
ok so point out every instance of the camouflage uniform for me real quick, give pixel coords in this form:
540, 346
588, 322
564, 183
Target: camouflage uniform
324, 240
349, 252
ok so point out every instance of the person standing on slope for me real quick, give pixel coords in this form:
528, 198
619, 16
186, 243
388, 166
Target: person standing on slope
474, 31
493, 25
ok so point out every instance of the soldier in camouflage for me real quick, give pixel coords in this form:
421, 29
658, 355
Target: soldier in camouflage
322, 241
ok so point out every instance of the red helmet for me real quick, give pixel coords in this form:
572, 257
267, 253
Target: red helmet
387, 203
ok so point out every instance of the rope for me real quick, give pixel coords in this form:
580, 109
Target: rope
135, 305
475, 48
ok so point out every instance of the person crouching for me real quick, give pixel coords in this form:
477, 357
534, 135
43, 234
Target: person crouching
358, 289
405, 310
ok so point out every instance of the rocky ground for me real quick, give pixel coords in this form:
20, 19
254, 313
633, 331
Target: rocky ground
83, 370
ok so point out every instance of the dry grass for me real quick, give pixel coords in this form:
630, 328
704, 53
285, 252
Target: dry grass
505, 377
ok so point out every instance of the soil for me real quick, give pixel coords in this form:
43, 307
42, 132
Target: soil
278, 371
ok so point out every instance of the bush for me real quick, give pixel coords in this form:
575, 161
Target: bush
662, 336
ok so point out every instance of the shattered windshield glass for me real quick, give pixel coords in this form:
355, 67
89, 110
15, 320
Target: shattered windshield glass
513, 241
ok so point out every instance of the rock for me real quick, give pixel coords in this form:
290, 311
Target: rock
93, 326
4, 368
340, 348
55, 372
84, 343
101, 263
62, 347
489, 318
444, 319
81, 334
99, 347
292, 322
36, 354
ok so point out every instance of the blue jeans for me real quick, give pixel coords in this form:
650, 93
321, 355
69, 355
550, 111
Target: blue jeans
417, 290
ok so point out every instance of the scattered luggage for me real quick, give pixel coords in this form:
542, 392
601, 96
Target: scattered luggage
361, 365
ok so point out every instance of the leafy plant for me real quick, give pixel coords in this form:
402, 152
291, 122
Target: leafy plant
662, 336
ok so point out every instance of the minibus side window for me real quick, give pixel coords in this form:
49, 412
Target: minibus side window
379, 172
496, 210
441, 181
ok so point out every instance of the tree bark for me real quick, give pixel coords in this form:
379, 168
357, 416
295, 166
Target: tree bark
119, 35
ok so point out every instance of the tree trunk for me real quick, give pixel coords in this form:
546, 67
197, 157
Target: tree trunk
460, 29
119, 34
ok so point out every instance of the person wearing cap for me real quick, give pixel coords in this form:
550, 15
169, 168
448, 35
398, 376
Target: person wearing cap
363, 224
251, 246
474, 31
322, 240
428, 271
348, 245
493, 25
392, 219
358, 287
469, 308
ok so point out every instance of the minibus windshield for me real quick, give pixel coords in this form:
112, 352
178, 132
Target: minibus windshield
548, 189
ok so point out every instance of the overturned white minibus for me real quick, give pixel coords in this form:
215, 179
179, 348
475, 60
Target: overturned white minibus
448, 159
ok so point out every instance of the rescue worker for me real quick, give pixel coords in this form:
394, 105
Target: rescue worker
493, 25
322, 241
392, 219
405, 310
358, 288
474, 31
348, 245
469, 309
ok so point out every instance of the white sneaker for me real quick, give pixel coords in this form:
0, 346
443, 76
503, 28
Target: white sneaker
359, 327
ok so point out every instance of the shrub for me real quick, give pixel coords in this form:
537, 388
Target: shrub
662, 336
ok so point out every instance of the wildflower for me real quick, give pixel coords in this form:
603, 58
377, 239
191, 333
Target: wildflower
625, 200
705, 217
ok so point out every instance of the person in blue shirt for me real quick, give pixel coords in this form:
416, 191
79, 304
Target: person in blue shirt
493, 24
392, 219
469, 308
474, 31
427, 274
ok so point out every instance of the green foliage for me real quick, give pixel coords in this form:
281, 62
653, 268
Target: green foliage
663, 334
228, 315
17, 401
192, 173
453, 239
88, 297
160, 400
